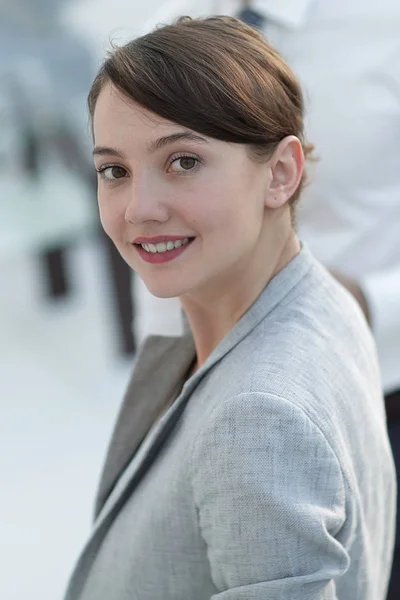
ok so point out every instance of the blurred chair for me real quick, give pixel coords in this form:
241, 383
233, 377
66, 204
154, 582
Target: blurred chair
47, 181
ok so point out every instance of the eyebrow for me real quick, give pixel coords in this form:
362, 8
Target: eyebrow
106, 150
153, 146
175, 137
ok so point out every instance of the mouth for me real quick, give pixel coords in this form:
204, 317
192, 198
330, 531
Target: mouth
163, 251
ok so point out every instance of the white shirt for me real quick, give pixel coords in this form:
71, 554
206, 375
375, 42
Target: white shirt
346, 54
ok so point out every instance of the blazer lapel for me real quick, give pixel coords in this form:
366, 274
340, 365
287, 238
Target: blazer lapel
134, 420
155, 380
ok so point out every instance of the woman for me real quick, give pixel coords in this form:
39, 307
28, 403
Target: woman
250, 459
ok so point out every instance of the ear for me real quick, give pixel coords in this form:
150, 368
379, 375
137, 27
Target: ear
286, 168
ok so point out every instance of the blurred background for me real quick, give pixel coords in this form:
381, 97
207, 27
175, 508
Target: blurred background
69, 324
71, 313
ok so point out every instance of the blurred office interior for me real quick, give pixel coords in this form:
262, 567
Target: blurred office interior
69, 324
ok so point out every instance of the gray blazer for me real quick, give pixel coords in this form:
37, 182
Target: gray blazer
269, 478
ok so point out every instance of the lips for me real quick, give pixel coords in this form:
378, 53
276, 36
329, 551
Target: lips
159, 239
162, 257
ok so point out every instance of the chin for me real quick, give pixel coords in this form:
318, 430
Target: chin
162, 290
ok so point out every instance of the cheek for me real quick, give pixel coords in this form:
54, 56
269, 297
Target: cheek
232, 205
111, 217
237, 225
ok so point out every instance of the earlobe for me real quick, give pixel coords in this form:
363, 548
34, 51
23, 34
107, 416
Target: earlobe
277, 200
286, 167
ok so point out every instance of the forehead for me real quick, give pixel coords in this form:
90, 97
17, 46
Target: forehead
122, 124
117, 117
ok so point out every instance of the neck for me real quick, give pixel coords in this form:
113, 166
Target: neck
211, 315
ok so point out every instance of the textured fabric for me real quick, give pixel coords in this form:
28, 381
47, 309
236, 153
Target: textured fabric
271, 475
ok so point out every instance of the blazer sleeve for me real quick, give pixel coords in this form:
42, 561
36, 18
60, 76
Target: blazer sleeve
270, 499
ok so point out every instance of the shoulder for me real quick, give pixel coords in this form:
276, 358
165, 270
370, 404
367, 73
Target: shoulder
315, 342
267, 445
263, 419
310, 363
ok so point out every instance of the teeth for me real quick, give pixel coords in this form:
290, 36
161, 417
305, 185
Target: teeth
163, 247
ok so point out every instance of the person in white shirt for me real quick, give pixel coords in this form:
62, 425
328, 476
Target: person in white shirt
346, 53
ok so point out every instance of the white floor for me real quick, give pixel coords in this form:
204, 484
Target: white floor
61, 383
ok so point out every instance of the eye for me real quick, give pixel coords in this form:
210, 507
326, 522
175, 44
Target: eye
182, 164
112, 172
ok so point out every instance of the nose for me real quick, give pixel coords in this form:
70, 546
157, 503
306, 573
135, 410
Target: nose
146, 201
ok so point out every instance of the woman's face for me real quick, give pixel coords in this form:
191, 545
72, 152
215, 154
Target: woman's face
160, 183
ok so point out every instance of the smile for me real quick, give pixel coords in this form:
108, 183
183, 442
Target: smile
163, 252
164, 246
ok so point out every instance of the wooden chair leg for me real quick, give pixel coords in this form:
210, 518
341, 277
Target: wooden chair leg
55, 273
121, 280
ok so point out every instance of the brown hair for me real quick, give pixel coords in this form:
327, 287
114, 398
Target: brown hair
217, 76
